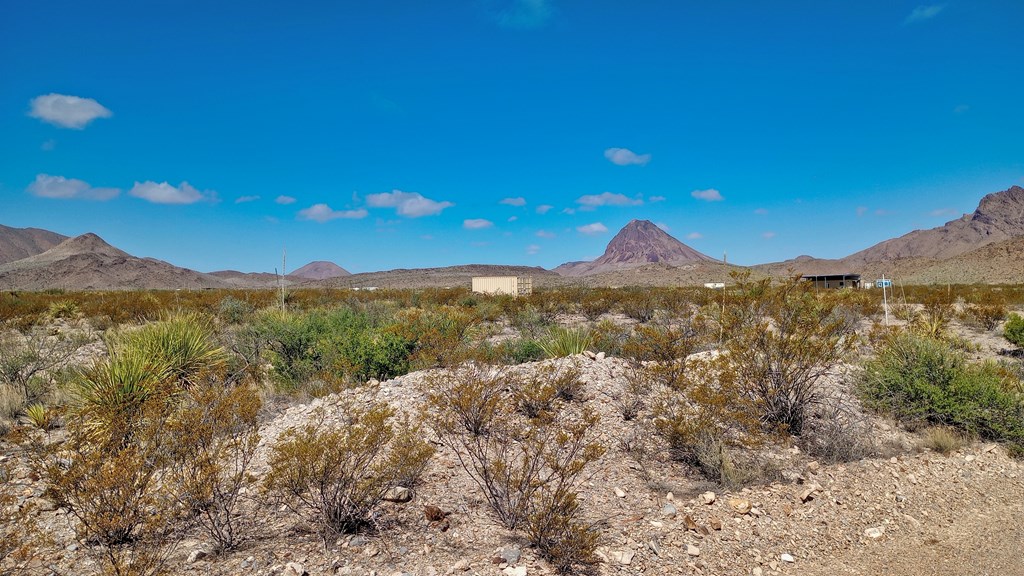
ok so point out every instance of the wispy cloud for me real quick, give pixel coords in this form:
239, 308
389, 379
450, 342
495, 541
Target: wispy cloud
625, 157
532, 249
710, 195
408, 204
768, 235
513, 218
543, 208
545, 234
46, 186
592, 229
943, 212
244, 199
323, 213
654, 199
164, 193
517, 201
861, 210
663, 226
522, 14
924, 12
476, 224
592, 201
67, 111
694, 236
282, 199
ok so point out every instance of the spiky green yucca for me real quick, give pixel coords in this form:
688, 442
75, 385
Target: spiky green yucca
566, 341
40, 416
183, 343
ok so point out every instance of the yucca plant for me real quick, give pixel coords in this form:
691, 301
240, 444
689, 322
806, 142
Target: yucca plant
184, 343
566, 341
41, 417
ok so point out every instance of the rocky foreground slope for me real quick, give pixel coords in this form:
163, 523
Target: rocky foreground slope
901, 512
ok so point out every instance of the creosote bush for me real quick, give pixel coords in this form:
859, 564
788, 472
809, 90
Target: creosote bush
924, 381
1013, 330
336, 476
528, 471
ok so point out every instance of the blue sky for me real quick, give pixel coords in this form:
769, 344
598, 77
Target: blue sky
407, 134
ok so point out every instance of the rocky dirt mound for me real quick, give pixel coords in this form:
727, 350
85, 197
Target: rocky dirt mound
907, 512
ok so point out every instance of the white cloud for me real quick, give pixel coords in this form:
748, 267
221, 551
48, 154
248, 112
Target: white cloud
545, 234
924, 12
67, 111
654, 199
164, 193
518, 201
694, 236
768, 235
591, 201
663, 226
476, 224
711, 195
591, 229
523, 14
46, 186
569, 211
408, 204
761, 211
244, 199
282, 199
625, 157
323, 213
543, 208
532, 249
513, 218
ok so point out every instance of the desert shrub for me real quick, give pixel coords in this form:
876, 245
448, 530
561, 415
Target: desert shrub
942, 439
593, 306
666, 345
467, 399
535, 398
923, 381
62, 309
837, 431
523, 350
337, 476
703, 411
781, 355
553, 525
234, 311
563, 341
988, 316
639, 305
608, 337
1013, 330
111, 485
439, 335
632, 399
215, 433
530, 322
565, 379
28, 360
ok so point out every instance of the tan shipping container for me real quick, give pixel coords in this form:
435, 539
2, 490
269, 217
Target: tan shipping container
514, 285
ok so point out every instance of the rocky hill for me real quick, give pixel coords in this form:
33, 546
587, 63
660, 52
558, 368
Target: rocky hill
320, 270
86, 262
978, 247
18, 243
639, 243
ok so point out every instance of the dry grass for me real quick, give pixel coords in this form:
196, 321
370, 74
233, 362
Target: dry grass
942, 440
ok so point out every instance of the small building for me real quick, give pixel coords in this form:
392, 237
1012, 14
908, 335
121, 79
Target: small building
833, 281
513, 285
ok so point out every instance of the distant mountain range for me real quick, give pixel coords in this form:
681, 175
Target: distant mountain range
984, 246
